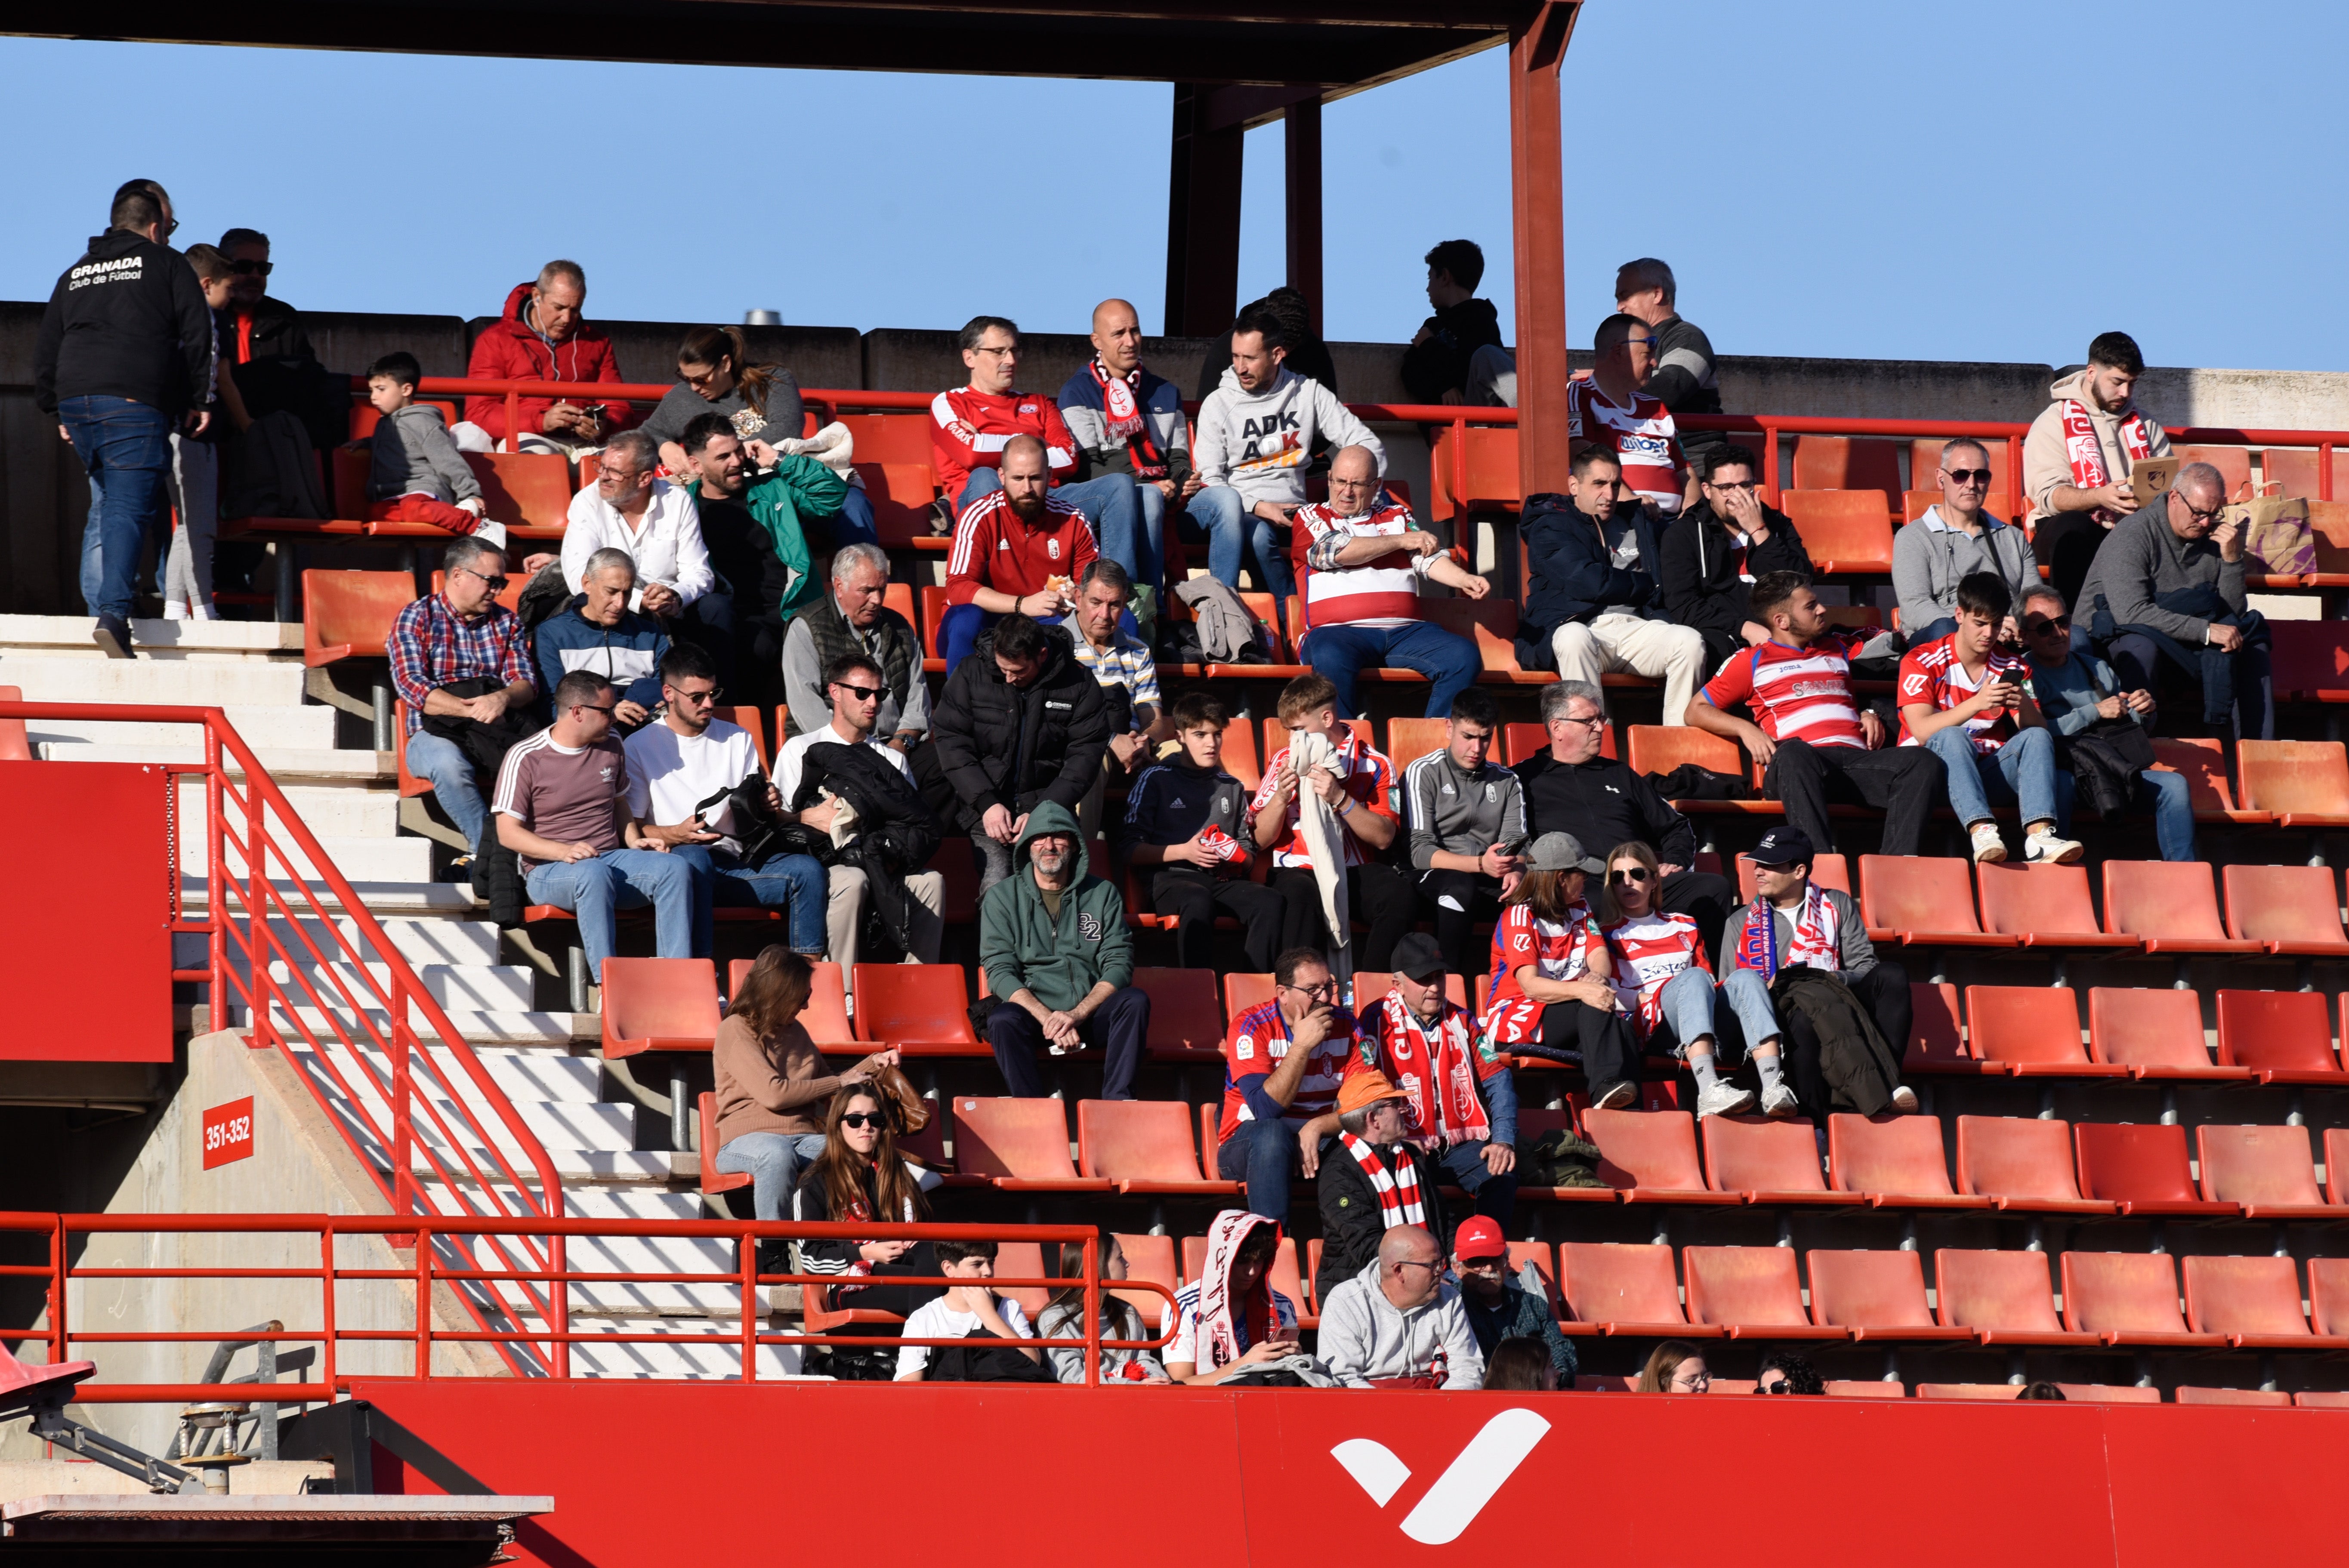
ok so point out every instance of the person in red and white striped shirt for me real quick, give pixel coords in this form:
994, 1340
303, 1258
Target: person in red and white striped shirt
1662, 977
1812, 736
1356, 785
1611, 410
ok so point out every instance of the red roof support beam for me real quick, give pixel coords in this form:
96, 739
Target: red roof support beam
1301, 134
1536, 178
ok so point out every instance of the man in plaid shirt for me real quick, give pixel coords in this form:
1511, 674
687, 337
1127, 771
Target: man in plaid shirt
459, 634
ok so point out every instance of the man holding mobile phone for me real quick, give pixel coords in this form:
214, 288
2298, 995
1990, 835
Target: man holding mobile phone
1968, 700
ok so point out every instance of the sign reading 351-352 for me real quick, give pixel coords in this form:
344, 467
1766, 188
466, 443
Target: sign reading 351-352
228, 1132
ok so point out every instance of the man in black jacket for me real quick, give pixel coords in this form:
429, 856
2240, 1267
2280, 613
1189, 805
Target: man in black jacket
1435, 365
1715, 546
124, 358
1020, 721
1572, 789
1375, 1179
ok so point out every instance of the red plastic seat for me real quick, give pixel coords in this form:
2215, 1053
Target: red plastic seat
2305, 783
2309, 662
2142, 1168
890, 438
1275, 735
921, 1009
1532, 1122
2233, 463
1863, 1389
2297, 470
1538, 1253
16, 745
26, 1385
1846, 531
530, 488
2291, 909
1766, 1160
2328, 1286
2322, 1400
1239, 757
1243, 990
658, 1005
1659, 748
713, 1180
1922, 901
1025, 1260
2156, 1034
825, 1016
2003, 1296
2023, 1163
2045, 906
348, 615
1021, 1145
1143, 1146
2078, 1393
1936, 1043
2202, 762
2172, 904
2129, 1298
2254, 1301
901, 494
1847, 462
1925, 461
1408, 739
1150, 1258
1752, 1291
1897, 1160
1611, 1288
2031, 1031
1185, 1022
2268, 1171
1650, 1156
1875, 1295
2185, 1395
2284, 1036
1828, 870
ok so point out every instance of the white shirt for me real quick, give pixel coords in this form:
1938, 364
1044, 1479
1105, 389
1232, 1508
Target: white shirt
670, 774
667, 550
935, 1319
792, 760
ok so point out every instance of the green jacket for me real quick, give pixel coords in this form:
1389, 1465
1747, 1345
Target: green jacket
1059, 962
798, 487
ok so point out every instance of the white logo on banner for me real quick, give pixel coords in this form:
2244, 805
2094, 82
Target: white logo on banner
1466, 1485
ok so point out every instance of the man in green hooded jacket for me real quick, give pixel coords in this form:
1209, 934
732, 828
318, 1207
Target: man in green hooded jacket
1053, 943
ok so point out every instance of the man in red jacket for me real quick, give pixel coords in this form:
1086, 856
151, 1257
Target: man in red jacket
542, 337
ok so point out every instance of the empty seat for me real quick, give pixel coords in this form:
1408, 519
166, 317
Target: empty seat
2084, 1393
2328, 1286
2268, 1171
2128, 1298
2233, 463
713, 1180
1847, 463
825, 1016
1408, 739
2005, 1297
2044, 906
1621, 1289
1846, 531
2284, 1036
1021, 1145
2305, 783
2021, 1162
921, 1009
1143, 1146
2031, 1031
1766, 1160
900, 494
2156, 1034
2254, 1301
1828, 870
1650, 1156
2202, 762
659, 1004
2308, 660
348, 615
1186, 1022
1936, 1044
2298, 470
1897, 1160
1863, 1389
1752, 1291
2185, 1395
2291, 909
1243, 990
2142, 1168
533, 489
1921, 899
1875, 1295
2172, 904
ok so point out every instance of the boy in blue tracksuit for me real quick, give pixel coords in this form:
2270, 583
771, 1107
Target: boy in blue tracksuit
1185, 834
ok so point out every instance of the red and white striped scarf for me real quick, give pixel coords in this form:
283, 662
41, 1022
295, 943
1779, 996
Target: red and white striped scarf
1127, 420
2086, 453
1218, 1343
1399, 1201
1438, 1076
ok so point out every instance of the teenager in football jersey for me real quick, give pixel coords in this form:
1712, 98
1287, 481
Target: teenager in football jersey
1662, 977
1551, 993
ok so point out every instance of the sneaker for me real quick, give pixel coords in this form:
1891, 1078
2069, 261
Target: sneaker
1904, 1099
459, 869
2044, 848
174, 611
1615, 1096
1724, 1099
1779, 1099
112, 636
1989, 848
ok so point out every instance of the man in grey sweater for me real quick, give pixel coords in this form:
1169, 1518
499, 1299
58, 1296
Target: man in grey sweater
2167, 584
1953, 540
1399, 1323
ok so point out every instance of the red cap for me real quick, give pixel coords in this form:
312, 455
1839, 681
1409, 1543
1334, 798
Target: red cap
1478, 1237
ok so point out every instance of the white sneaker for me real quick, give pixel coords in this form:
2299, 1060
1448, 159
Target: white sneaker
1779, 1099
1719, 1099
204, 611
2044, 848
1615, 1096
1904, 1099
1989, 848
174, 611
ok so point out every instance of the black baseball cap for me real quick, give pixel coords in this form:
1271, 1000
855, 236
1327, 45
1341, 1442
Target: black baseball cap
1783, 847
1417, 955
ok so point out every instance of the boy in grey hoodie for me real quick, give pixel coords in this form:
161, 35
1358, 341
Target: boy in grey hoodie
416, 474
1256, 432
1398, 1323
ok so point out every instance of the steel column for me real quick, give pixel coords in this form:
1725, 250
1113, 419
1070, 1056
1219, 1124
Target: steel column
1537, 175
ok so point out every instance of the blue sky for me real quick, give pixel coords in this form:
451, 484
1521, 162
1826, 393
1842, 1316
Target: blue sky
1996, 181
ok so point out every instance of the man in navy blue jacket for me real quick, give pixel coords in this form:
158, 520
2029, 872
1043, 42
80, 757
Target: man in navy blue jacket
598, 632
1183, 831
1128, 420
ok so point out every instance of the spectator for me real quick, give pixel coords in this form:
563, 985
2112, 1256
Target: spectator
755, 529
1363, 560
1378, 1178
1519, 1365
1443, 360
1575, 787
561, 807
1594, 607
1352, 785
2078, 691
1063, 1318
964, 1311
123, 359
1613, 410
1794, 923
267, 352
760, 403
460, 658
1684, 379
1664, 984
1230, 1319
1018, 548
2042, 1391
1399, 1323
1308, 355
1283, 1060
771, 1087
1784, 1372
1184, 816
1501, 1315
1054, 946
1121, 664
859, 1178
415, 473
1966, 699
1551, 993
2168, 584
1713, 553
631, 508
542, 336
684, 772
261, 325
598, 633
1256, 432
1467, 817
2077, 457
1952, 541
1675, 1366
1812, 738
1460, 1104
194, 492
854, 618
1019, 723
1125, 420
856, 690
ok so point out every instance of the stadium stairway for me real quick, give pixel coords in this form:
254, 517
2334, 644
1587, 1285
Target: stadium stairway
547, 1062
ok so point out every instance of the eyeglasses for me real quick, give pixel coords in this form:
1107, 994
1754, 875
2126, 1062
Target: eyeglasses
863, 694
1415, 1263
494, 585
1633, 874
591, 707
712, 695
2208, 515
860, 1119
249, 269
1967, 476
1011, 349
1327, 988
2040, 626
611, 476
1696, 1382
1734, 484
1596, 720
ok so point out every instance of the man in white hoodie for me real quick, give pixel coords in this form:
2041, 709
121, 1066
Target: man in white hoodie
1256, 432
2077, 457
1399, 1323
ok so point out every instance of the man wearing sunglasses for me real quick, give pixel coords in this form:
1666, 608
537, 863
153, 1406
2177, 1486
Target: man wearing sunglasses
1713, 553
256, 325
460, 640
2077, 692
1955, 539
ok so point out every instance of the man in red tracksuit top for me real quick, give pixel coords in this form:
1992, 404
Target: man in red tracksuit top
1019, 547
542, 337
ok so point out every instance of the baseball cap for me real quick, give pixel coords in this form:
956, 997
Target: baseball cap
1562, 852
1364, 1089
1417, 955
1478, 1237
1782, 847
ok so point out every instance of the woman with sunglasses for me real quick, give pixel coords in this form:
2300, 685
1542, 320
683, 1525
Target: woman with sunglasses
860, 1177
1662, 977
1954, 537
1551, 993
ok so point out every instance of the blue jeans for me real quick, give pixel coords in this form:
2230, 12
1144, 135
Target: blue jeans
126, 447
1748, 996
2165, 794
1264, 1154
1930, 632
855, 523
2023, 770
678, 891
1149, 563
444, 762
796, 883
1339, 653
772, 1162
1687, 1005
1232, 530
1495, 1195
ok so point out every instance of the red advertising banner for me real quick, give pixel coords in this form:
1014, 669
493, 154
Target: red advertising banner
228, 1132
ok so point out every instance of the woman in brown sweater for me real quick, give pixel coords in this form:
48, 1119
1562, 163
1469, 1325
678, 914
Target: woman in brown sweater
772, 1088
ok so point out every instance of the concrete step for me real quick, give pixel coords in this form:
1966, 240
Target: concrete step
158, 641
359, 860
284, 764
545, 1076
273, 727
331, 811
205, 683
468, 942
379, 898
486, 988
475, 1027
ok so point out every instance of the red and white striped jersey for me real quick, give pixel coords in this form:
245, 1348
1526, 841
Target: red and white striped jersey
993, 548
1370, 778
1557, 950
1934, 673
1797, 694
1381, 592
967, 430
1642, 437
1649, 950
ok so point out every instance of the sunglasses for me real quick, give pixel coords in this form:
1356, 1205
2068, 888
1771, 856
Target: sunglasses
1782, 1386
591, 707
2039, 625
712, 695
495, 585
860, 1119
866, 694
1635, 874
250, 269
1967, 476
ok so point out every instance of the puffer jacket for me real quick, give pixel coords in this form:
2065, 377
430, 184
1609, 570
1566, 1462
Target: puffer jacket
1574, 575
510, 349
997, 746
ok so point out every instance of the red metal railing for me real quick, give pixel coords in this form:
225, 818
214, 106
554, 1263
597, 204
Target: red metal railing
397, 1099
332, 1334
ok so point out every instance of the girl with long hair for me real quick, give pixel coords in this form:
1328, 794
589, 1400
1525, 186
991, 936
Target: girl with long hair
1661, 977
1063, 1318
860, 1176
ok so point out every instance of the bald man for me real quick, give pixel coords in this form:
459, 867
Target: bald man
1129, 421
1399, 1323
